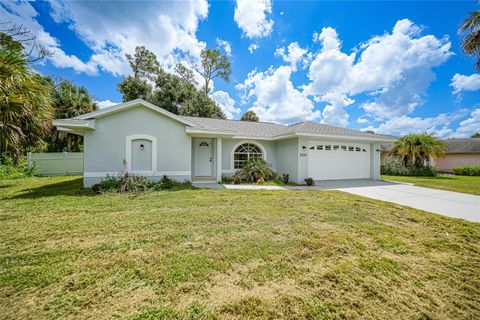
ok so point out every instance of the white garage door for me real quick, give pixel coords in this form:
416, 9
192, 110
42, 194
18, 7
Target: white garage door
335, 160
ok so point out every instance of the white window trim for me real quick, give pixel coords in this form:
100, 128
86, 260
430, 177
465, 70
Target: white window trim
232, 154
128, 152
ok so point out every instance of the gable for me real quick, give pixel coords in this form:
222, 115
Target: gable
138, 119
123, 107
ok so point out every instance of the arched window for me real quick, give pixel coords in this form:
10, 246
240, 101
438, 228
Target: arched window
244, 152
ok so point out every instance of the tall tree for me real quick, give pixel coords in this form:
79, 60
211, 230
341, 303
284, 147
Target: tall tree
212, 64
185, 73
181, 97
250, 116
175, 93
476, 135
471, 42
69, 101
17, 37
133, 88
25, 104
415, 149
144, 63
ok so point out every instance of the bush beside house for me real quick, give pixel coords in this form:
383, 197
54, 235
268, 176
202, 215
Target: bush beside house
467, 171
126, 182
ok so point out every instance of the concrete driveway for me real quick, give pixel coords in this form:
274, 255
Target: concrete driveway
447, 203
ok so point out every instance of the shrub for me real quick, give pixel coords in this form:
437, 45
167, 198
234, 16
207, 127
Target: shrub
285, 178
309, 181
237, 179
226, 179
467, 171
254, 169
166, 182
261, 181
110, 184
133, 183
10, 171
394, 167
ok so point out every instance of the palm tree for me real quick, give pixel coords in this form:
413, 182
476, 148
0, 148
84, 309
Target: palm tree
69, 101
416, 149
25, 106
471, 42
250, 116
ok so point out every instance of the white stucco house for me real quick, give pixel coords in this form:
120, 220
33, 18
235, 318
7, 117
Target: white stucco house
142, 138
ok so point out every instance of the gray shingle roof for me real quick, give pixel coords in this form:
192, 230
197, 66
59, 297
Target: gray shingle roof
463, 145
271, 130
467, 145
320, 128
244, 128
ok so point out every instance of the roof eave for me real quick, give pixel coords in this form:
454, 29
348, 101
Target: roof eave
334, 136
74, 125
129, 104
208, 131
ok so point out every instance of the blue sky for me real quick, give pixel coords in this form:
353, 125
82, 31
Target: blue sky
394, 67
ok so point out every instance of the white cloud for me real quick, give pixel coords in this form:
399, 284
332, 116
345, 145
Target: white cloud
112, 29
226, 103
362, 120
105, 103
462, 82
469, 126
22, 13
275, 98
225, 45
252, 17
395, 69
294, 55
334, 112
402, 125
253, 46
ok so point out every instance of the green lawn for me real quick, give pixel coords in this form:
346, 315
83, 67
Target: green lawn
445, 182
206, 254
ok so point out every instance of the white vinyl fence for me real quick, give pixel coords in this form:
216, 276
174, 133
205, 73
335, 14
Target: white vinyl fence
56, 163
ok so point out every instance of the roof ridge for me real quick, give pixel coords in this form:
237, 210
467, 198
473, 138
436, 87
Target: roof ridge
235, 120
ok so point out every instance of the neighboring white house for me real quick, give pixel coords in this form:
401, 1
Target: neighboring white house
142, 138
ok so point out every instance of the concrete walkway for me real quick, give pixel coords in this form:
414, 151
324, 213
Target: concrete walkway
447, 203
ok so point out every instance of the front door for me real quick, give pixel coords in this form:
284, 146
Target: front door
203, 157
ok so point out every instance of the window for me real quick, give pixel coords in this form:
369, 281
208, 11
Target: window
357, 149
312, 148
328, 147
336, 147
344, 148
363, 150
350, 148
203, 144
319, 147
244, 152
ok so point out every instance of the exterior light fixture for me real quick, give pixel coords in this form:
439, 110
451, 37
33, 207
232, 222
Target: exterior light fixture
141, 147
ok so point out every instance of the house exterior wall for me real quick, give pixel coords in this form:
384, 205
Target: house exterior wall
375, 161
287, 158
105, 147
229, 146
452, 160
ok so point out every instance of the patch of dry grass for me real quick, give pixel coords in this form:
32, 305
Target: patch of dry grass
203, 254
